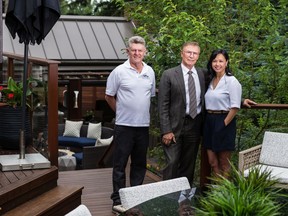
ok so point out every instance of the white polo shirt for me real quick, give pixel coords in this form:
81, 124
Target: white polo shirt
133, 94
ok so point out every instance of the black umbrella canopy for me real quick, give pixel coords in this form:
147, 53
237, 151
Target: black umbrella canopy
31, 20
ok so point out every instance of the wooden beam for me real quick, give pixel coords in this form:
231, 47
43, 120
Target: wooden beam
1, 37
53, 113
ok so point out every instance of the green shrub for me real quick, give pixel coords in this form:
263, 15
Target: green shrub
255, 195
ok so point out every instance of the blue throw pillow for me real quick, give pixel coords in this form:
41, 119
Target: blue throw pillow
75, 141
67, 141
83, 141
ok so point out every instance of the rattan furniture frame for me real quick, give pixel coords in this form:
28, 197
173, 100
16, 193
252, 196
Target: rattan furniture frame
271, 155
249, 157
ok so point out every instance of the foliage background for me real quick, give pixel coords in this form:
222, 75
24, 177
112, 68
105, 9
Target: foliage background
255, 33
90, 8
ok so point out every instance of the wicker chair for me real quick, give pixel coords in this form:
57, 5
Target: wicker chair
249, 157
271, 155
88, 157
92, 155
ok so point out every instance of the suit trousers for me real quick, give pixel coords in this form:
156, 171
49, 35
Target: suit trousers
133, 142
181, 156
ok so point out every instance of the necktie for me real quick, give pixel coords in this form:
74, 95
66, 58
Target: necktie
192, 96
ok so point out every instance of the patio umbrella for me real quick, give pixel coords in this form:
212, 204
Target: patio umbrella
31, 20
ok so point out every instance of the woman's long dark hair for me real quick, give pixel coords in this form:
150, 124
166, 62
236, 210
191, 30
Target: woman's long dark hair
211, 72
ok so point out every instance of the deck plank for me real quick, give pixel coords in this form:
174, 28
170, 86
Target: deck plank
3, 180
11, 177
97, 188
19, 175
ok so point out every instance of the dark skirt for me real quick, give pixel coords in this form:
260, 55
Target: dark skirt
218, 137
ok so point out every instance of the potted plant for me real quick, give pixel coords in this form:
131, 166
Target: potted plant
11, 113
89, 116
256, 194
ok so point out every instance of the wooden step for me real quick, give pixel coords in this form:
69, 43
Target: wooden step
57, 201
18, 187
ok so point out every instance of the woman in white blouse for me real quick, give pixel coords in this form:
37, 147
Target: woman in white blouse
222, 100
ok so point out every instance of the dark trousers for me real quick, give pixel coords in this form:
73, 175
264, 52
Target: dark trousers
181, 156
129, 141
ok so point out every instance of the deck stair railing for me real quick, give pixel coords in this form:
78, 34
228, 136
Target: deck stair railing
52, 84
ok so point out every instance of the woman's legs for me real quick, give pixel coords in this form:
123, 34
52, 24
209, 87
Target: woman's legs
213, 161
224, 162
220, 162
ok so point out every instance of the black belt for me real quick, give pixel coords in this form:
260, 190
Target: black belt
217, 111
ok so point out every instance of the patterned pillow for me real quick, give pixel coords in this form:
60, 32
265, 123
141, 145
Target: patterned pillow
72, 128
94, 130
104, 142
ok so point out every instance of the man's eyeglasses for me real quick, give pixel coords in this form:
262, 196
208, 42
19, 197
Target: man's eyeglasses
191, 53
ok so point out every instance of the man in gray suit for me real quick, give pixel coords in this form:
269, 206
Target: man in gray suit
181, 130
181, 127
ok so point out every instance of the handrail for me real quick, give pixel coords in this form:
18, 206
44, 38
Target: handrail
269, 106
35, 60
52, 100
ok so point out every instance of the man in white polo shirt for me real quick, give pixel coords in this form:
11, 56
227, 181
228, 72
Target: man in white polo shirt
129, 89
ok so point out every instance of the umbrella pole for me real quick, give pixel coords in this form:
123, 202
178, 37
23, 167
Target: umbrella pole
22, 131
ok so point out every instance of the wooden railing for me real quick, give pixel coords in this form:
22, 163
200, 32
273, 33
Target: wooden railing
52, 67
205, 169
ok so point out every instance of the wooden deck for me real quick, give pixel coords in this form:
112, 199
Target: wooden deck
18, 187
97, 187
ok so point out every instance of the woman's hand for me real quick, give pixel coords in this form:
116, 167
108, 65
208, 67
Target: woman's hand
248, 103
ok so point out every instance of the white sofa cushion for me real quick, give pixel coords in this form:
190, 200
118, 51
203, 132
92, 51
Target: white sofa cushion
279, 173
72, 128
274, 150
103, 142
94, 130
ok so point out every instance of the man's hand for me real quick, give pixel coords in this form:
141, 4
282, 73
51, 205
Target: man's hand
168, 138
248, 103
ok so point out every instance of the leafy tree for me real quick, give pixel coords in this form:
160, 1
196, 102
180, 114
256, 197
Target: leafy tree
90, 8
77, 7
107, 8
254, 33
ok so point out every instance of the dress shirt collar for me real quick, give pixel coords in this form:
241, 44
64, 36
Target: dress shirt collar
185, 70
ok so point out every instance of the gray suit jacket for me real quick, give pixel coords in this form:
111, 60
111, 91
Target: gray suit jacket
172, 99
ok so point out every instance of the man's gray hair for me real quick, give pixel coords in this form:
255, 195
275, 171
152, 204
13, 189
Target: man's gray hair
136, 40
190, 43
